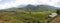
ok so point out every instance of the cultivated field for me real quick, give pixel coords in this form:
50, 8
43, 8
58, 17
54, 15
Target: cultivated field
23, 17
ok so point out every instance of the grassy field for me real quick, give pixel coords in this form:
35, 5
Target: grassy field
23, 17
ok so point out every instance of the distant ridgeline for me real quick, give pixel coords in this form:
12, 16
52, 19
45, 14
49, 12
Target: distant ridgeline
33, 8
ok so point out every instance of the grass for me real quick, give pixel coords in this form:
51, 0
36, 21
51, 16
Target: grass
34, 16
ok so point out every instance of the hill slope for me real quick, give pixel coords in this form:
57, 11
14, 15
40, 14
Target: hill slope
56, 20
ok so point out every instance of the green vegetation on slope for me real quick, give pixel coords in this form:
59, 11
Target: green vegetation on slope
28, 14
25, 17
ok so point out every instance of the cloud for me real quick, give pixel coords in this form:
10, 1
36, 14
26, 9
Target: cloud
0, 0
48, 2
16, 3
34, 2
55, 3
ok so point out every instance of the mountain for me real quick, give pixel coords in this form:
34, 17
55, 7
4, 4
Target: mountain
39, 8
34, 8
21, 6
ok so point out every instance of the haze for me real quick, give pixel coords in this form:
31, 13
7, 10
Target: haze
14, 3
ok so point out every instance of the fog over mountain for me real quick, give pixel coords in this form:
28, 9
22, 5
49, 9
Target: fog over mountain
14, 3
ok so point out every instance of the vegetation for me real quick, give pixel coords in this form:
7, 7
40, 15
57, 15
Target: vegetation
17, 17
28, 14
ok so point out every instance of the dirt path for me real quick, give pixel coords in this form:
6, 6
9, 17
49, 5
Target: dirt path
56, 20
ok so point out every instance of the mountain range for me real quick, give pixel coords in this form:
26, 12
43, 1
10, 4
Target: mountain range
32, 8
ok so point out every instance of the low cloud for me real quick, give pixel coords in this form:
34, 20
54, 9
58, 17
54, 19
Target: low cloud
33, 2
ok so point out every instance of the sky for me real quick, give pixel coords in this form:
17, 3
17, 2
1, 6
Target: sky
4, 4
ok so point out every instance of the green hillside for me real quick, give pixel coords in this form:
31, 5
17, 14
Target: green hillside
28, 14
23, 17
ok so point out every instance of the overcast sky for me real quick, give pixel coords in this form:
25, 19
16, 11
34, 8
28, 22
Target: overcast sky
13, 3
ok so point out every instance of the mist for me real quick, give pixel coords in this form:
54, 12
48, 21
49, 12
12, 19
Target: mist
14, 3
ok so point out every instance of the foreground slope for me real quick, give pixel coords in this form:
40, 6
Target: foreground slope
56, 20
22, 17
